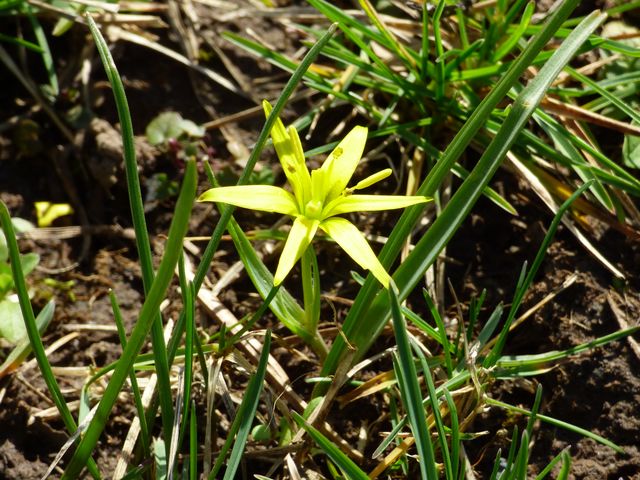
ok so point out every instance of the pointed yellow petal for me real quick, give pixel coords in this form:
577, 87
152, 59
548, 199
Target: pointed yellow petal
289, 150
300, 236
342, 162
255, 197
354, 243
370, 203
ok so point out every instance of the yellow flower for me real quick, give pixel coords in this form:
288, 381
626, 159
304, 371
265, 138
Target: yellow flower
317, 198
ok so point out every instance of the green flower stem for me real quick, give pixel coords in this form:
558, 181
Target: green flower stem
311, 296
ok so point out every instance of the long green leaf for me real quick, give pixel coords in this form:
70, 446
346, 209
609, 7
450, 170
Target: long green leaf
557, 423
519, 364
47, 58
410, 389
247, 411
244, 418
148, 313
435, 409
34, 334
137, 397
547, 470
139, 224
350, 469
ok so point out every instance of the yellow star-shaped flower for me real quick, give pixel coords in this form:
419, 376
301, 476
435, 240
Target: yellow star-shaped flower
317, 198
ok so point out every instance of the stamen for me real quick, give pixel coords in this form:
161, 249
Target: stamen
370, 180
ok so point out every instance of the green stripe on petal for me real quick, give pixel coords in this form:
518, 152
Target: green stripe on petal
342, 162
300, 236
256, 197
353, 242
370, 203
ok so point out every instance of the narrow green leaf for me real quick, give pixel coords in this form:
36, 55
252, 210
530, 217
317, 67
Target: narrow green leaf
45, 51
244, 418
145, 438
516, 34
139, 224
565, 470
522, 363
435, 409
34, 334
558, 423
247, 411
349, 468
148, 313
513, 448
523, 285
522, 459
440, 63
193, 443
547, 470
444, 340
410, 389
455, 435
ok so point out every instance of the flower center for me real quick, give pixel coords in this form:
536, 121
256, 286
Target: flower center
313, 209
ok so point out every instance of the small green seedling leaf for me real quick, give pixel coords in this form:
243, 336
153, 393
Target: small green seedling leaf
22, 349
171, 125
11, 323
20, 225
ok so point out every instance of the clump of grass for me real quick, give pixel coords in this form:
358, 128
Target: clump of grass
452, 81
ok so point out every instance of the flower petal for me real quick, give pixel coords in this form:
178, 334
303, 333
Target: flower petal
256, 197
354, 243
342, 162
289, 150
300, 236
370, 203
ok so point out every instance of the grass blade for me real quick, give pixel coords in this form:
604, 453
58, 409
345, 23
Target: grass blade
435, 409
139, 224
45, 53
558, 423
34, 334
350, 469
410, 389
244, 418
193, 443
137, 397
148, 313
524, 284
558, 458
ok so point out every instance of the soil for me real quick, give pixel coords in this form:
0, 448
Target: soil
598, 391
